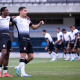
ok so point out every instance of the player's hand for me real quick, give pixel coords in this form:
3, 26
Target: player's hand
28, 18
60, 43
74, 45
41, 22
45, 48
13, 17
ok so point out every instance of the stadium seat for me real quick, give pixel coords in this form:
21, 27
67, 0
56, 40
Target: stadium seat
21, 0
43, 0
9, 1
3, 0
14, 44
43, 44
26, 0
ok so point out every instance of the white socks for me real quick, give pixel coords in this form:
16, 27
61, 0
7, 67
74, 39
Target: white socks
72, 56
51, 55
4, 71
22, 66
0, 68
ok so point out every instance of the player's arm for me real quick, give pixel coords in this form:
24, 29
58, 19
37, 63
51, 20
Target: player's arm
75, 40
69, 41
58, 40
47, 44
62, 41
12, 21
34, 27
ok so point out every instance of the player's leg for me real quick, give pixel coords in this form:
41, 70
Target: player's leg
50, 49
67, 53
73, 53
3, 51
23, 48
6, 60
78, 52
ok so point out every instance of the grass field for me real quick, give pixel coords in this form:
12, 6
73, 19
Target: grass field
43, 69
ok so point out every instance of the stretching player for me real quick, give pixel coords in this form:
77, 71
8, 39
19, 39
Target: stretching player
22, 24
71, 43
66, 39
59, 41
5, 41
50, 44
77, 44
75, 32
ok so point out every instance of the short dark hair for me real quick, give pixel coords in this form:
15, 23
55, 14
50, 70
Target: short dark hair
58, 28
21, 8
63, 30
70, 26
43, 30
2, 9
74, 26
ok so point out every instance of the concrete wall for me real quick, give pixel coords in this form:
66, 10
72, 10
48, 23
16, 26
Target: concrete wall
47, 9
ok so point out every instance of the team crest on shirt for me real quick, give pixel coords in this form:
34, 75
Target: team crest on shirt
4, 45
24, 48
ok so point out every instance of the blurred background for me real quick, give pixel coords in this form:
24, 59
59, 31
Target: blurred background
55, 13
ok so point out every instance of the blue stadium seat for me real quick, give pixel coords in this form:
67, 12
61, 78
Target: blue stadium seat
14, 44
43, 44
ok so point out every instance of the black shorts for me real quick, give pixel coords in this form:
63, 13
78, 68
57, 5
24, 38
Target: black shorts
60, 46
72, 44
50, 47
66, 43
25, 46
5, 43
78, 43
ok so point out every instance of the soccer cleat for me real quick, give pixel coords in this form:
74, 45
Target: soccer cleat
6, 75
0, 74
76, 58
52, 59
25, 75
17, 70
66, 59
72, 60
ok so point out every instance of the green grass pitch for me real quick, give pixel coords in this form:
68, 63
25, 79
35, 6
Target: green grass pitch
43, 69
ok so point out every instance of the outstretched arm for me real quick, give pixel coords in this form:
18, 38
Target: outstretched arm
34, 27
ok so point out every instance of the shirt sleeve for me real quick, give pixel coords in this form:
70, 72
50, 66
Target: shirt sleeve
13, 21
30, 24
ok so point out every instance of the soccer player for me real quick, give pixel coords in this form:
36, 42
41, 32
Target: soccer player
66, 39
71, 43
75, 32
77, 44
22, 24
5, 41
50, 44
59, 42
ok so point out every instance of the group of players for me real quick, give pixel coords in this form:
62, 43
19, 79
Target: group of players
68, 42
22, 22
